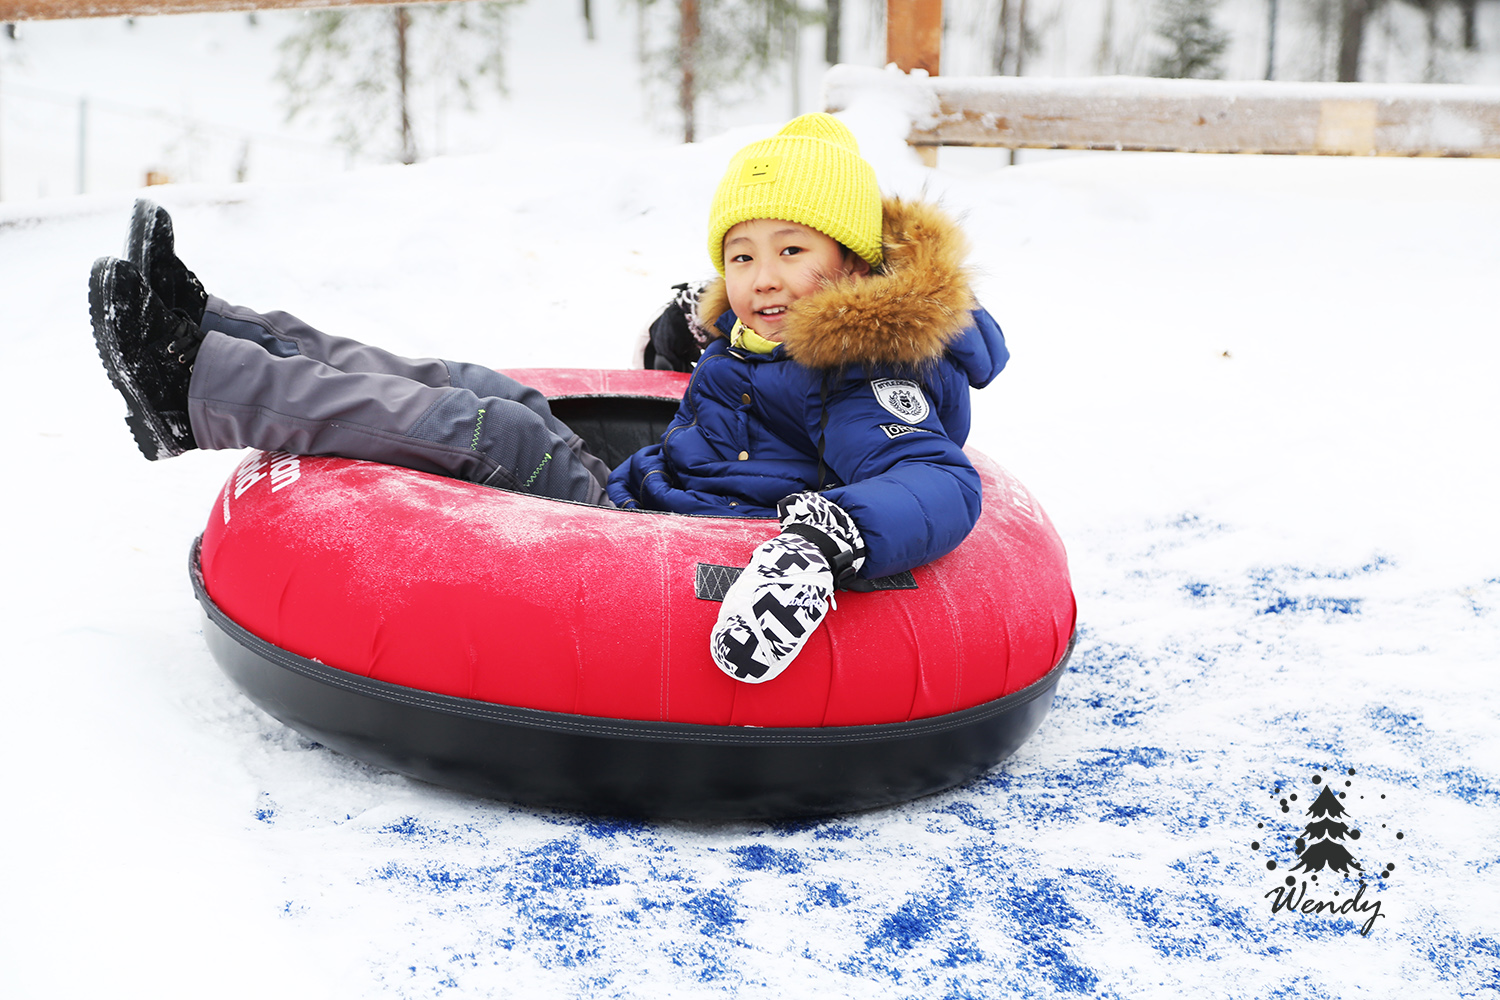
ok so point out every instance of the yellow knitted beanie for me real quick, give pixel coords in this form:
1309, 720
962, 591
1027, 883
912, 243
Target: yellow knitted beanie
810, 173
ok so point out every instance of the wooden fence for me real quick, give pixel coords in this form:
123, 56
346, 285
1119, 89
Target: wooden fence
1121, 113
44, 10
1192, 116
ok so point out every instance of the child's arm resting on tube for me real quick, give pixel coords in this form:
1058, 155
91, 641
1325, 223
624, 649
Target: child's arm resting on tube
912, 496
911, 489
782, 596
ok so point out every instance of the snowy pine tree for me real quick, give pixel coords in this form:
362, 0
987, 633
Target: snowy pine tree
1194, 43
710, 48
359, 68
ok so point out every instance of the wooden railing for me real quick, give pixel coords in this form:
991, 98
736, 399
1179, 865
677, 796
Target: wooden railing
1121, 113
43, 10
1191, 116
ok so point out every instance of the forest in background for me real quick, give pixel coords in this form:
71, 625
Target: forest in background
698, 53
373, 84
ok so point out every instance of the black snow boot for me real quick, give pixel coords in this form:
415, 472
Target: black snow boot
149, 352
150, 248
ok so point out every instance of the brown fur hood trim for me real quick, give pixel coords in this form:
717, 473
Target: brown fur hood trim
904, 314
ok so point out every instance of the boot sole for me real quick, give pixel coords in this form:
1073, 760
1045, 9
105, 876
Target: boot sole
152, 436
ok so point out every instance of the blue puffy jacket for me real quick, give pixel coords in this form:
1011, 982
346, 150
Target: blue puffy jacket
866, 399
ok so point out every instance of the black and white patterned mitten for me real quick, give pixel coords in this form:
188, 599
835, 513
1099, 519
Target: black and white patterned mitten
689, 293
829, 527
783, 595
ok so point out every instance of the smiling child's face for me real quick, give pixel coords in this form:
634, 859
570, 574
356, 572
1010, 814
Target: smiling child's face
769, 264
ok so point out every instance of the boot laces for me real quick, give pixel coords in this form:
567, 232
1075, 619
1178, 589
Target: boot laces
184, 338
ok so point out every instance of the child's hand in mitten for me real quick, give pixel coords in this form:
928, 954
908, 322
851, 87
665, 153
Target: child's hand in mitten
676, 338
785, 592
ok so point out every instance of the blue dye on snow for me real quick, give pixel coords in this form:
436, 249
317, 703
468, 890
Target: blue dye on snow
555, 923
1469, 786
1266, 576
1189, 521
716, 912
445, 879
664, 905
914, 921
1043, 906
759, 857
1477, 609
705, 962
608, 829
406, 826
1301, 988
1470, 965
441, 878
1281, 604
1486, 946
1111, 760
1331, 748
266, 811
1104, 658
1210, 909
1098, 783
1172, 923
828, 894
1057, 965
1387, 720
967, 814
961, 951
1122, 815
564, 865
544, 898
792, 827
1112, 682
938, 920
1143, 907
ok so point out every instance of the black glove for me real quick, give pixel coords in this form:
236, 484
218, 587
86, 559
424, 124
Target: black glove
676, 338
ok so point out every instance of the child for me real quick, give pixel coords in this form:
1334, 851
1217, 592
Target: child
834, 394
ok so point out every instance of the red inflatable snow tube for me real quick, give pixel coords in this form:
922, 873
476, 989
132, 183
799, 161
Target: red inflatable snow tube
556, 654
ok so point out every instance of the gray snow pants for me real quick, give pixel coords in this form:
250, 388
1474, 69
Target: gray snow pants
270, 381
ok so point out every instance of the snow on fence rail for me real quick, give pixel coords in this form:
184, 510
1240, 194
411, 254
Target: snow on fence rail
1189, 116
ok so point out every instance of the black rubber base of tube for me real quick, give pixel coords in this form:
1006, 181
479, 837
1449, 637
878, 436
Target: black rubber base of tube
618, 766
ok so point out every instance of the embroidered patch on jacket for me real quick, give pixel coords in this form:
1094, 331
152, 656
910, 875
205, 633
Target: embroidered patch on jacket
901, 397
896, 430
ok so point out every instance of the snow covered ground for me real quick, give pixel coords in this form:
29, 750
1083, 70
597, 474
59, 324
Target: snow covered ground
1255, 394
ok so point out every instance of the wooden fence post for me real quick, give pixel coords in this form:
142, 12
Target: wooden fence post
914, 40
